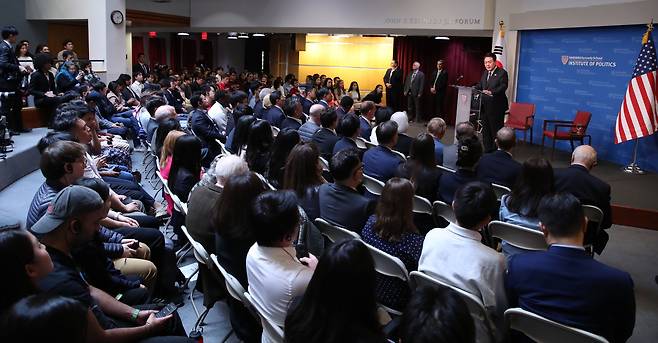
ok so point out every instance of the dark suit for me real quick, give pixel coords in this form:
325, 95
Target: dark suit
404, 144
306, 104
426, 179
494, 106
450, 156
143, 68
498, 167
565, 285
40, 84
10, 76
324, 104
381, 163
259, 110
290, 123
344, 143
344, 206
206, 129
413, 89
340, 112
325, 139
440, 84
590, 190
366, 129
450, 182
173, 101
274, 116
393, 94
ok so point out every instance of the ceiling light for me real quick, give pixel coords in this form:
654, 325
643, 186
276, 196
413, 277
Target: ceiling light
183, 34
258, 35
442, 38
243, 35
396, 35
232, 35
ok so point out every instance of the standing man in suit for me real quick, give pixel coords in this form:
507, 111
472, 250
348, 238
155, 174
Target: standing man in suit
141, 65
393, 82
438, 88
493, 85
590, 190
10, 75
413, 90
566, 285
499, 166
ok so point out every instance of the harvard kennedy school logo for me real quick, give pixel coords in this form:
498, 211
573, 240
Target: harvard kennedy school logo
565, 59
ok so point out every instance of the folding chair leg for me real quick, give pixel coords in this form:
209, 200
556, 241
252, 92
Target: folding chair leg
187, 281
228, 335
202, 317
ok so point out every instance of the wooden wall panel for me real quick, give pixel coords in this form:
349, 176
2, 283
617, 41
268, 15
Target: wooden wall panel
75, 31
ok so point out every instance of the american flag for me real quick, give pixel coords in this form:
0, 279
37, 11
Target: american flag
638, 117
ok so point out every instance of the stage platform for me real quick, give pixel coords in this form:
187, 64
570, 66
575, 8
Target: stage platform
24, 159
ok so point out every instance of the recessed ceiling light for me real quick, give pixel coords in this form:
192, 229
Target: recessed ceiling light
258, 35
243, 35
183, 34
442, 38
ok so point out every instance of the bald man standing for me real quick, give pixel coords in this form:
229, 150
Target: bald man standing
499, 166
590, 190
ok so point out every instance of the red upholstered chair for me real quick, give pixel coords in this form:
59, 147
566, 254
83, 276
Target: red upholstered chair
521, 117
572, 130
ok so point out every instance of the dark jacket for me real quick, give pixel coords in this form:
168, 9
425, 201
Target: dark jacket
325, 139
344, 143
366, 129
450, 182
9, 70
381, 163
497, 104
404, 144
589, 189
206, 129
568, 286
425, 179
344, 206
394, 77
498, 167
289, 122
441, 83
306, 104
274, 116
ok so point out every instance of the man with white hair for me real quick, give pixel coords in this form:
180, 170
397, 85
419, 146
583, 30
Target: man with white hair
165, 112
590, 190
307, 130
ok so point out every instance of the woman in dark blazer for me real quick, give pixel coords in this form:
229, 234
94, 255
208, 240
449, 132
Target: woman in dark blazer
42, 86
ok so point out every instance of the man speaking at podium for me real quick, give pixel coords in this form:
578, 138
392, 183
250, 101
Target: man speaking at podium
493, 85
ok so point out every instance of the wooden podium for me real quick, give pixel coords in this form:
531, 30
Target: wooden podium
464, 98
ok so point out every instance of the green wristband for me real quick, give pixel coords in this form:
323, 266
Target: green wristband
133, 316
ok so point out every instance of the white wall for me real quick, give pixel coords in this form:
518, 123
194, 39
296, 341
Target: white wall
174, 7
229, 52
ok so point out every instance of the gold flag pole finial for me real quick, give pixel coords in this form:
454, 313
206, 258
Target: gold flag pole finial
645, 37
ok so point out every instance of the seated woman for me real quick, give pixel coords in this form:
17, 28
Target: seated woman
283, 144
354, 91
258, 146
520, 206
469, 151
376, 95
275, 274
339, 304
421, 167
42, 87
184, 174
237, 143
303, 175
391, 229
115, 96
68, 77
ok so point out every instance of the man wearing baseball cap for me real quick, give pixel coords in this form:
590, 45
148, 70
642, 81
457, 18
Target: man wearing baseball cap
71, 221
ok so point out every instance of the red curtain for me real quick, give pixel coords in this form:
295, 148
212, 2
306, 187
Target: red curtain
461, 56
157, 51
175, 52
138, 47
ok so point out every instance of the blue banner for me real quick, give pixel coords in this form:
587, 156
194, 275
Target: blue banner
566, 70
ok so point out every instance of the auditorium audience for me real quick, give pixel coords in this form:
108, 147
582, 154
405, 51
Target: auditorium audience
462, 130
325, 137
468, 154
42, 87
340, 202
284, 142
520, 206
259, 143
566, 285
313, 123
436, 315
392, 230
303, 175
421, 167
339, 304
348, 129
436, 127
589, 189
499, 166
446, 250
274, 273
381, 162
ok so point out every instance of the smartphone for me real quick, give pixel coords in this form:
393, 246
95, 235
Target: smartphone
134, 245
167, 310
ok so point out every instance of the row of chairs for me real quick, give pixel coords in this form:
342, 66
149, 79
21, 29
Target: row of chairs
534, 326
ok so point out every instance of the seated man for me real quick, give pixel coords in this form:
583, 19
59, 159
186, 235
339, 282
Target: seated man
294, 114
205, 129
71, 222
455, 255
349, 129
313, 123
275, 114
345, 106
437, 129
499, 166
368, 110
566, 285
147, 116
325, 137
340, 202
381, 162
589, 189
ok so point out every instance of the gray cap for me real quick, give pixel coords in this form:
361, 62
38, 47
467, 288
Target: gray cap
69, 202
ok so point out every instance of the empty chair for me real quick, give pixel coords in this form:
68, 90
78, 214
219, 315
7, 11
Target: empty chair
475, 306
576, 130
594, 215
518, 236
541, 329
521, 117
388, 265
333, 232
271, 331
373, 185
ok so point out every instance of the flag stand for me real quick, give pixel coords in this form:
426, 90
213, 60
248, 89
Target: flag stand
633, 168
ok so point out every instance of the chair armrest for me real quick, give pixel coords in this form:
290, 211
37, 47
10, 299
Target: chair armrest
572, 126
528, 117
548, 121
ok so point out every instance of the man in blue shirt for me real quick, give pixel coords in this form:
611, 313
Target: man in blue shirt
437, 128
